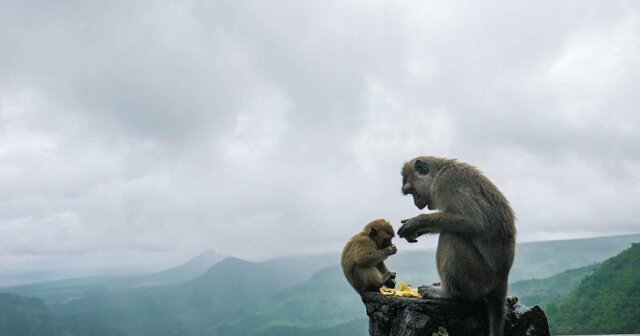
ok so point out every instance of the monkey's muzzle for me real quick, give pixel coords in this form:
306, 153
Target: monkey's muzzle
420, 202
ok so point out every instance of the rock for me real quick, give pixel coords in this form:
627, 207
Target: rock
399, 316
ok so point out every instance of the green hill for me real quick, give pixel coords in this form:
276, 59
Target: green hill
324, 301
219, 294
547, 258
542, 291
605, 302
229, 289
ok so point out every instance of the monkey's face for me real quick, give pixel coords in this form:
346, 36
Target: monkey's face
418, 200
416, 181
381, 232
383, 239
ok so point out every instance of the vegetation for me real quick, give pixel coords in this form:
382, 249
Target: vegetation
353, 328
543, 291
21, 316
605, 302
544, 259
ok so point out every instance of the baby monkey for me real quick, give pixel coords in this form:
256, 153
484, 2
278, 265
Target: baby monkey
364, 255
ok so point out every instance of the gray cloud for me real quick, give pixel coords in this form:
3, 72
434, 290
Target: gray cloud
140, 133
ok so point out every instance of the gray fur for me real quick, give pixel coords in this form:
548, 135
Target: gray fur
477, 231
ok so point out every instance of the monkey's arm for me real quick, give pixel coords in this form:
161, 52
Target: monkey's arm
370, 259
435, 222
446, 221
368, 255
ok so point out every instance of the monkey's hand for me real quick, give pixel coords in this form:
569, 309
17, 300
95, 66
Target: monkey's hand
391, 250
411, 229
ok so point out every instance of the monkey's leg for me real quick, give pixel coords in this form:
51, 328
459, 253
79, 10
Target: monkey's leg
463, 272
496, 303
382, 267
372, 279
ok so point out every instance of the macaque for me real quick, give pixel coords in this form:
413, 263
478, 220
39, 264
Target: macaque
364, 255
476, 246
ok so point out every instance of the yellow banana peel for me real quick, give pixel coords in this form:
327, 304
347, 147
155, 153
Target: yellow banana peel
403, 291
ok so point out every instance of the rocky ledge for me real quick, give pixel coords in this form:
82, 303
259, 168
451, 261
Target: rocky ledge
399, 316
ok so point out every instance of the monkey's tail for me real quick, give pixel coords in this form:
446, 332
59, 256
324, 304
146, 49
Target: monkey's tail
496, 303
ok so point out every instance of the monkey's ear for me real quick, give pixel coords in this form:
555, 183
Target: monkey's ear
421, 167
373, 233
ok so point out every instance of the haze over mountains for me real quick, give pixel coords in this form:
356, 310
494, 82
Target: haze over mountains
298, 295
61, 290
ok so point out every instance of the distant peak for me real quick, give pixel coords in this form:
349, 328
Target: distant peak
206, 258
208, 253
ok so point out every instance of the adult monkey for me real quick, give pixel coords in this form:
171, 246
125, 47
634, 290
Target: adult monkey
477, 232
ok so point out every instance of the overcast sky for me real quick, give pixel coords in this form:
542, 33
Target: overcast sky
136, 134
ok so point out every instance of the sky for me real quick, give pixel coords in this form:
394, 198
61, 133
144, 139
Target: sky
137, 134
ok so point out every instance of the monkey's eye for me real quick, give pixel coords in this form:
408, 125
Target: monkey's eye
421, 167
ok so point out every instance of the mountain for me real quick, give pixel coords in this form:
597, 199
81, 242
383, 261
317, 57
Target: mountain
323, 301
542, 291
605, 302
325, 304
24, 316
299, 295
63, 290
546, 258
187, 271
60, 291
231, 288
178, 309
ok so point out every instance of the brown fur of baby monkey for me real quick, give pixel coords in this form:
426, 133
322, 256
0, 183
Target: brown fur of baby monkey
364, 255
476, 246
